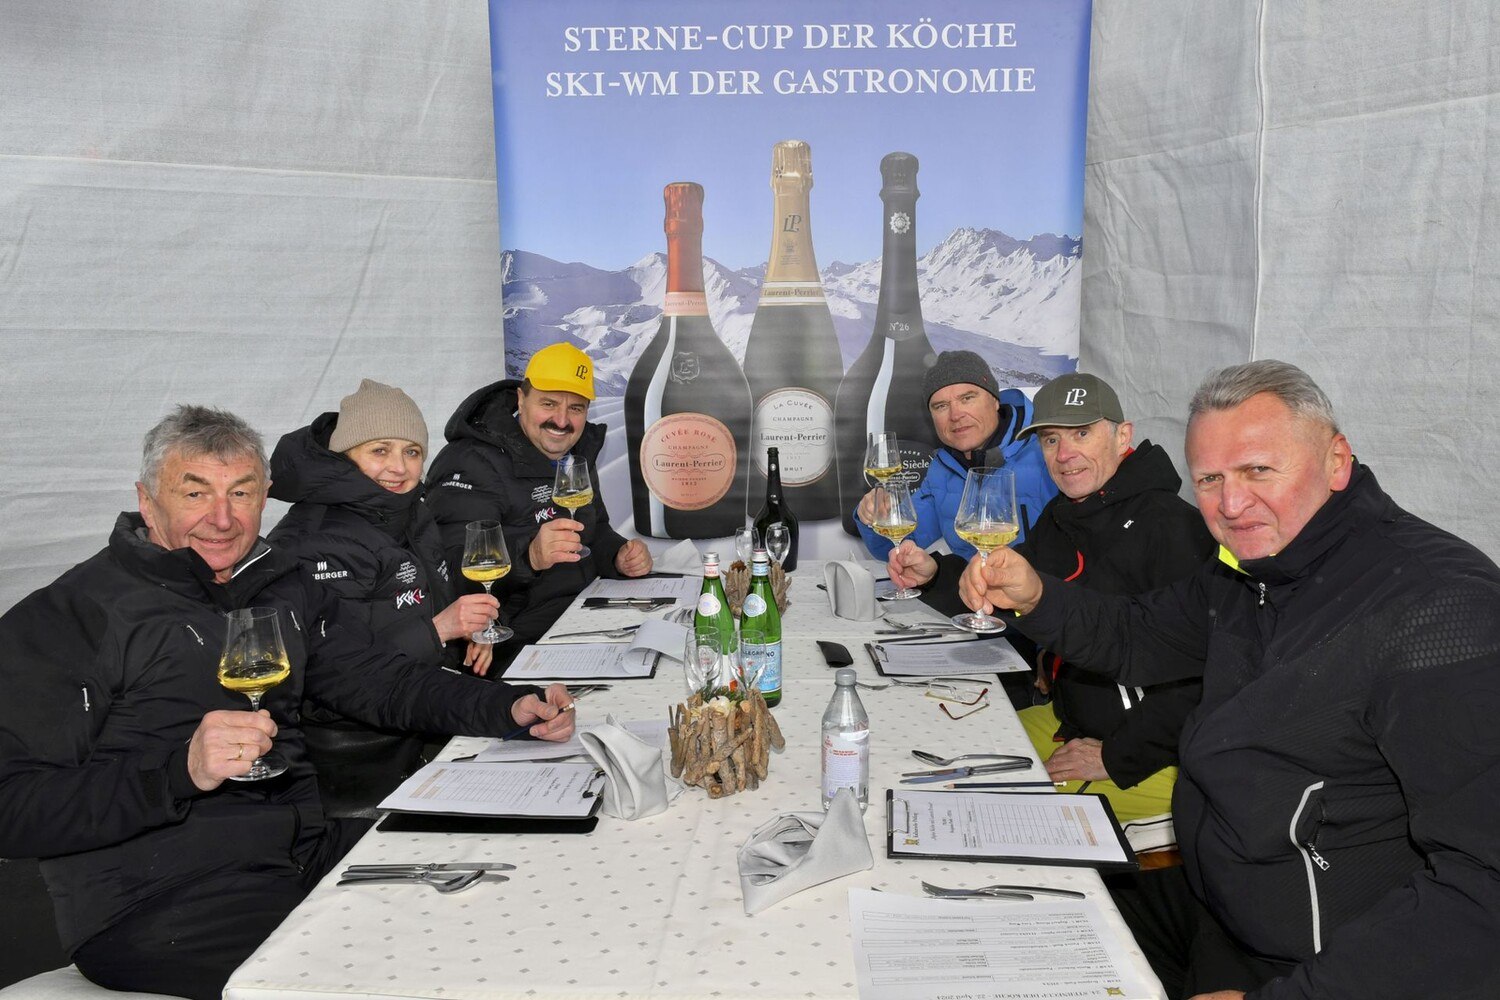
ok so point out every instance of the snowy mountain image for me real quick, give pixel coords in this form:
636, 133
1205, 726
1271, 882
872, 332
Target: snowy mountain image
1015, 302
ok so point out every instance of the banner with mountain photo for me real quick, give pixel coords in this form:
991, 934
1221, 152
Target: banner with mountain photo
656, 162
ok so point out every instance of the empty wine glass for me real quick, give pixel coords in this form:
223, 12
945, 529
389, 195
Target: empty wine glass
778, 541
882, 456
573, 488
986, 520
485, 561
895, 518
254, 661
745, 543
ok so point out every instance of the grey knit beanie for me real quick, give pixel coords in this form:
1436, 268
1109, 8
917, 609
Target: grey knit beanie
374, 412
956, 367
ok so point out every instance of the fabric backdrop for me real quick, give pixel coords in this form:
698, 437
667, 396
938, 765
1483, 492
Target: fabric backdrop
253, 204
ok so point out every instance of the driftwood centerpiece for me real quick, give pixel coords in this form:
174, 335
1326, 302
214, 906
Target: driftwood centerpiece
737, 585
723, 745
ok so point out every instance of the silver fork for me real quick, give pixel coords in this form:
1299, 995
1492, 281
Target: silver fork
936, 761
438, 880
1002, 892
898, 627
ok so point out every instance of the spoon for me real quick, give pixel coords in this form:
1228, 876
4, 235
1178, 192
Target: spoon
439, 881
936, 761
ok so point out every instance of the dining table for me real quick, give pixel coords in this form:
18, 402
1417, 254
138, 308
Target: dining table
652, 907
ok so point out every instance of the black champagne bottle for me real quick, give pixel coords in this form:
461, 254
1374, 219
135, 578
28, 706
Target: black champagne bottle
687, 404
777, 509
792, 359
882, 391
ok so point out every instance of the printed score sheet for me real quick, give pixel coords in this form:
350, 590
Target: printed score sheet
914, 948
469, 789
1060, 829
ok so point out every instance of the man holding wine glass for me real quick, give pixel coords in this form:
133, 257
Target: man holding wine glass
978, 424
1336, 802
523, 453
125, 719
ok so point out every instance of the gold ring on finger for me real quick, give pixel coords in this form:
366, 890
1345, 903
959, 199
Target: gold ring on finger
239, 753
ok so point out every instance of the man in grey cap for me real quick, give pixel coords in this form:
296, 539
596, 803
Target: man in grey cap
979, 424
1118, 526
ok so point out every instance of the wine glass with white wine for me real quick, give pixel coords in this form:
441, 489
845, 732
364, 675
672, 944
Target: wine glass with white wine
882, 457
986, 520
895, 518
573, 488
485, 561
254, 661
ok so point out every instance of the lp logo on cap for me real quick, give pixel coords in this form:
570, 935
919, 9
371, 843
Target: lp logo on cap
1075, 397
582, 371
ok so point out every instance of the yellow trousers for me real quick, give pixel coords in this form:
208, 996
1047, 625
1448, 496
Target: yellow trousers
1151, 797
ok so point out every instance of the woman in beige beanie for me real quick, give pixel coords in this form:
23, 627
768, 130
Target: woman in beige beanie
354, 479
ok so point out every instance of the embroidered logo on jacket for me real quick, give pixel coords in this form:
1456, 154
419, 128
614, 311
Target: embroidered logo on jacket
406, 573
324, 572
456, 483
541, 494
410, 598
545, 514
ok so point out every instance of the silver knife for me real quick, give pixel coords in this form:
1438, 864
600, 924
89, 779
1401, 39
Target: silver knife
954, 773
446, 866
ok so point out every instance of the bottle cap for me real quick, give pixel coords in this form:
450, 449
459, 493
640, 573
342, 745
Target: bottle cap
791, 163
845, 677
899, 172
684, 208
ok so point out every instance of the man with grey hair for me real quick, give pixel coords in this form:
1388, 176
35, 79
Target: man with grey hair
1339, 794
120, 752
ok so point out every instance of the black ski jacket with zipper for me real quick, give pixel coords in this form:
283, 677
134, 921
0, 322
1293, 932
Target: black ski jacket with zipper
1339, 797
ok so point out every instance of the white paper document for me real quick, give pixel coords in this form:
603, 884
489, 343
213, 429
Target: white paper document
941, 657
652, 731
486, 790
913, 948
683, 589
579, 660
1058, 828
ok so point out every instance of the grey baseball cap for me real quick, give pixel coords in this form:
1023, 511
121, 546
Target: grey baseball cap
1074, 400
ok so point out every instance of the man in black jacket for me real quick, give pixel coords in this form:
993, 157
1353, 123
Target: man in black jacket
504, 442
1117, 526
1339, 795
119, 749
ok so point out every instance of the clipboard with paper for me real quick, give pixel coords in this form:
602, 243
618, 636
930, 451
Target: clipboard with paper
466, 797
1074, 829
945, 658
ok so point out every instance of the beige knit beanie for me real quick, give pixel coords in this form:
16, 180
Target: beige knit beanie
374, 412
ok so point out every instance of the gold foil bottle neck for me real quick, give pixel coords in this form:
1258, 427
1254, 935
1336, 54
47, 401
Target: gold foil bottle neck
684, 208
791, 164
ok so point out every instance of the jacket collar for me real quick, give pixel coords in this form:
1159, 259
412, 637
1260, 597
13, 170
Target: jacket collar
183, 571
1147, 467
1351, 509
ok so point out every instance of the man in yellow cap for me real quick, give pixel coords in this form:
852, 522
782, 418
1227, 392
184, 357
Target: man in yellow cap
504, 443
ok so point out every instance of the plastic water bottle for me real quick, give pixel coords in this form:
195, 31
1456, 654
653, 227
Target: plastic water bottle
846, 742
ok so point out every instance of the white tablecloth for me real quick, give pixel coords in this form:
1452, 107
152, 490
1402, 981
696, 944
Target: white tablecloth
649, 908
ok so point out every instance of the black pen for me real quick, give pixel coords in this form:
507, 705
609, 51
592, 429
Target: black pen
1006, 784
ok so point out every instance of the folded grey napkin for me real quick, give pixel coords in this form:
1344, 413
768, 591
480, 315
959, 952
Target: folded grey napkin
851, 590
796, 851
635, 782
680, 558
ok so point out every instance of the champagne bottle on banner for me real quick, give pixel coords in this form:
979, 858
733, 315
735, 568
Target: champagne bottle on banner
792, 359
777, 509
687, 404
882, 391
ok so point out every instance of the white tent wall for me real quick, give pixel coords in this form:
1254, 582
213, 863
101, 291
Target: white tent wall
1312, 182
245, 204
254, 204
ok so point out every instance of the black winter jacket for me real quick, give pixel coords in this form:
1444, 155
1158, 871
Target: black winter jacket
108, 671
490, 470
1339, 797
378, 550
1134, 535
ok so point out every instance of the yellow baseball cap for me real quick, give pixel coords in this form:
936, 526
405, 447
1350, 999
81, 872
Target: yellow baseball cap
562, 368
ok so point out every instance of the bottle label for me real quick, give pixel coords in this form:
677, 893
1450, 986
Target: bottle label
755, 606
708, 605
688, 460
799, 422
686, 304
846, 761
791, 293
766, 658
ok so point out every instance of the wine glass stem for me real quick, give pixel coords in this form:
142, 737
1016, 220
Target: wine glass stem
487, 584
254, 702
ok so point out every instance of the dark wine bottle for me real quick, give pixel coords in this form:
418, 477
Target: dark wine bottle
882, 391
687, 404
776, 509
792, 358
